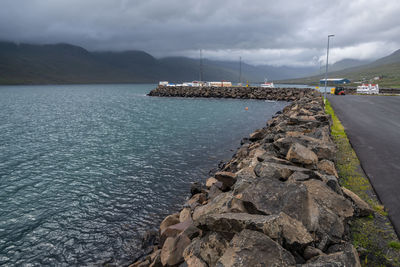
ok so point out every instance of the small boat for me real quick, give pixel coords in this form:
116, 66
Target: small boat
266, 84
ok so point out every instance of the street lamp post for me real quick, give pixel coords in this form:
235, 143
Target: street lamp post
326, 69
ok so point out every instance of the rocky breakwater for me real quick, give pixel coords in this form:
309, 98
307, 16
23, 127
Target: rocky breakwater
284, 94
277, 202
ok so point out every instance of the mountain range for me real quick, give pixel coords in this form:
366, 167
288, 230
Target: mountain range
65, 63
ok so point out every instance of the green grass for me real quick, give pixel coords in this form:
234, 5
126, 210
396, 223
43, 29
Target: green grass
372, 235
394, 244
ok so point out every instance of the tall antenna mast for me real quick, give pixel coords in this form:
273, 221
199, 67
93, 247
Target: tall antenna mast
201, 67
240, 70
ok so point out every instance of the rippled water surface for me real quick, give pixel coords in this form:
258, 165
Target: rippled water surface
86, 169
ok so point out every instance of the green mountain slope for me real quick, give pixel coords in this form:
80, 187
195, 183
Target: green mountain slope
346, 64
387, 68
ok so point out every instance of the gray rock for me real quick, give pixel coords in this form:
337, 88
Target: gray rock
329, 199
185, 214
281, 228
328, 212
299, 177
224, 202
363, 208
322, 148
228, 179
172, 250
301, 154
214, 191
310, 252
174, 230
328, 167
333, 183
283, 144
347, 257
193, 261
155, 259
257, 135
196, 188
208, 248
269, 196
169, 220
196, 200
191, 231
251, 248
276, 170
267, 157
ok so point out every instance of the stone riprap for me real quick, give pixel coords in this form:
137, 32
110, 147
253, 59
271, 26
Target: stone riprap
277, 202
286, 94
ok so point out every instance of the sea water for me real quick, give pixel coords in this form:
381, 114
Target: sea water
85, 170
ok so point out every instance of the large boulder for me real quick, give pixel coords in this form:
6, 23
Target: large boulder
251, 248
224, 202
168, 221
324, 149
302, 155
327, 198
174, 230
213, 192
185, 214
208, 248
270, 196
172, 250
281, 228
277, 170
330, 214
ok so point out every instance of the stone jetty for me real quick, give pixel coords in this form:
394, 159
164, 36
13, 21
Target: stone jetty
277, 202
280, 94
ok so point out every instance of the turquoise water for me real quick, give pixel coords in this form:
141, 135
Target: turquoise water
86, 169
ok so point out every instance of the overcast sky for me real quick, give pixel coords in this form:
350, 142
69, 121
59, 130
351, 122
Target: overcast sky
278, 32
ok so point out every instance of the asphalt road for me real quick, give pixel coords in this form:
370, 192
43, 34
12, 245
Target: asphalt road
372, 124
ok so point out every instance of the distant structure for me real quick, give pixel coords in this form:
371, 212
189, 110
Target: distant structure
201, 67
334, 81
240, 70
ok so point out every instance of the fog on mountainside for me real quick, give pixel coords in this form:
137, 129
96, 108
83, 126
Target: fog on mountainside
64, 63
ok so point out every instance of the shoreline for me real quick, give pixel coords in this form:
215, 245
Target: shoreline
280, 190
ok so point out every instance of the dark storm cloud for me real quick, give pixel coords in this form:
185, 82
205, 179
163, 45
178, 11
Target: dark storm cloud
262, 31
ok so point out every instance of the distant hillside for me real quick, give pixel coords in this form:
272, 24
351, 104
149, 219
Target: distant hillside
387, 68
65, 63
347, 63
